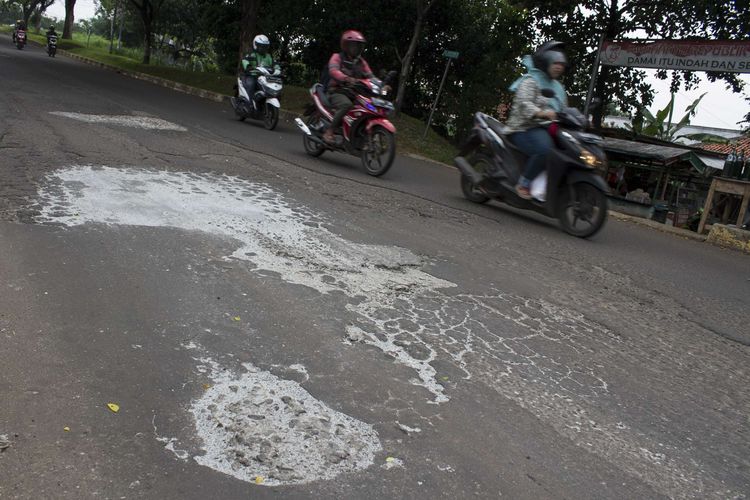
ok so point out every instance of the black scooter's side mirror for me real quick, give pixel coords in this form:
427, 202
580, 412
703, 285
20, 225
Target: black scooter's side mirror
548, 93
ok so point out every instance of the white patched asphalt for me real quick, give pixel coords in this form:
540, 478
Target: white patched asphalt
530, 351
142, 122
260, 428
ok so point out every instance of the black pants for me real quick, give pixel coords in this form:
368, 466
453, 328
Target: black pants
251, 84
342, 103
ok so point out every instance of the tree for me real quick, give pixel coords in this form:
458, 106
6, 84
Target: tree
248, 24
422, 8
149, 11
39, 11
27, 8
69, 19
581, 24
88, 28
489, 61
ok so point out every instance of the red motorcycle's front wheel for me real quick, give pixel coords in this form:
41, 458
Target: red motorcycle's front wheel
379, 151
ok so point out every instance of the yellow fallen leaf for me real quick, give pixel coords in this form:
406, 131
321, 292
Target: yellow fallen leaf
114, 407
258, 479
206, 387
389, 459
236, 318
66, 429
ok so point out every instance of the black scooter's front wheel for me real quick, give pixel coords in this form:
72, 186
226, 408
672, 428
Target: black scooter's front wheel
583, 209
481, 164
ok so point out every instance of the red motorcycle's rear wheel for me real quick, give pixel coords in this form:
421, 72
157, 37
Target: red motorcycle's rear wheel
312, 147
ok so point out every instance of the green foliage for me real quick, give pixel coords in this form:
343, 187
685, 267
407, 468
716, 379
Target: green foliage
662, 127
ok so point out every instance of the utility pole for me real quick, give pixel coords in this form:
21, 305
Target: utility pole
594, 74
450, 55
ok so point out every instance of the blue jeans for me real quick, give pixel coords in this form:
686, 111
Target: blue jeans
535, 143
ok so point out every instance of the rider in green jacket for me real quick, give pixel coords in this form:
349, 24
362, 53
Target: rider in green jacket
258, 58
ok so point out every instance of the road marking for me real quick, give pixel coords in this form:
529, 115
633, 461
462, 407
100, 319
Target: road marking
142, 122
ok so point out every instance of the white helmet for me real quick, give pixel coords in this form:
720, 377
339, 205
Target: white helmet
261, 40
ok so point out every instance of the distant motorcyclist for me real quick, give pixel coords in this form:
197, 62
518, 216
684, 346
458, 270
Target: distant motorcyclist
51, 34
530, 108
20, 25
345, 67
260, 57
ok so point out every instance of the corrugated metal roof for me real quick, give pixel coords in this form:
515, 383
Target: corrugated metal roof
662, 155
711, 161
643, 150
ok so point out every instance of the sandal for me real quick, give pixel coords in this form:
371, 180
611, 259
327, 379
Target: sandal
523, 192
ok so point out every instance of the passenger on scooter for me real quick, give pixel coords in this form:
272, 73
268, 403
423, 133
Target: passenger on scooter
530, 108
258, 58
345, 67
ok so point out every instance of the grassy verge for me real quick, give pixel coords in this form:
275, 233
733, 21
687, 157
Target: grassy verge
295, 99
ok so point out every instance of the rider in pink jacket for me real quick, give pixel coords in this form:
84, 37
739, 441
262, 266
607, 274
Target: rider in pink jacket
345, 68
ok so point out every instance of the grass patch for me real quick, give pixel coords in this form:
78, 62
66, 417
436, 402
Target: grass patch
434, 146
295, 99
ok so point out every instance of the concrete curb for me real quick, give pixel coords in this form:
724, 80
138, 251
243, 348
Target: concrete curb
684, 233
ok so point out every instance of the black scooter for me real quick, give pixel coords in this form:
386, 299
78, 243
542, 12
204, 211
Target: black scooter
575, 193
52, 45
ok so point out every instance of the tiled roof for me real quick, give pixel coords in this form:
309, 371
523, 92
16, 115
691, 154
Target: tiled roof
740, 145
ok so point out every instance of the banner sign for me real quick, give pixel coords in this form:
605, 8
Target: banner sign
689, 55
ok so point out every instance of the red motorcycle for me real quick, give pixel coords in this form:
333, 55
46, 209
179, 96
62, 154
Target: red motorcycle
366, 131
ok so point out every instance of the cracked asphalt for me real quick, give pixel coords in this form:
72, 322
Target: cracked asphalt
273, 325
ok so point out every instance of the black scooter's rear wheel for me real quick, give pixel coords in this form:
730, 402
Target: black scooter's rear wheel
583, 209
481, 164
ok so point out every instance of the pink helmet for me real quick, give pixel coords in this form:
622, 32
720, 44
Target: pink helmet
352, 36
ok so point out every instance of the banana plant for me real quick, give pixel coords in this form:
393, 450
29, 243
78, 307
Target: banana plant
661, 126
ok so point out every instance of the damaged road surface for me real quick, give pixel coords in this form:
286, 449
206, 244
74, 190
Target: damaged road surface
267, 326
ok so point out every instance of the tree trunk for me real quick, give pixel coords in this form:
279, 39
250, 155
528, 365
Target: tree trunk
406, 62
112, 28
249, 25
119, 30
37, 16
28, 10
597, 115
611, 31
147, 41
69, 19
146, 9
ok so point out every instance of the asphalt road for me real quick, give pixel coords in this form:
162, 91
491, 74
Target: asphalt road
272, 325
